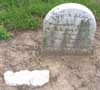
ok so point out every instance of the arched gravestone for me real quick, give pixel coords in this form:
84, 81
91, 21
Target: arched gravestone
69, 28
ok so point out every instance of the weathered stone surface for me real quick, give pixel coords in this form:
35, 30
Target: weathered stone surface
69, 28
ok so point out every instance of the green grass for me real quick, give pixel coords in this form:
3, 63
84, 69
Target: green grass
4, 34
28, 14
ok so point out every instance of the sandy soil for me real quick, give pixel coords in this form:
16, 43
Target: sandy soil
70, 72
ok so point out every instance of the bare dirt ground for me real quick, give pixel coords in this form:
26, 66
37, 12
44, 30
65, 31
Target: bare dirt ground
70, 72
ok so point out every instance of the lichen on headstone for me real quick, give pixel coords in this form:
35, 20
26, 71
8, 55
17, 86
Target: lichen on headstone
69, 29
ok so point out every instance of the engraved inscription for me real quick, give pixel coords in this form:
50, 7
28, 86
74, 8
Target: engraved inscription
69, 30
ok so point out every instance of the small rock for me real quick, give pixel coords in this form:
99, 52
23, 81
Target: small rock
25, 77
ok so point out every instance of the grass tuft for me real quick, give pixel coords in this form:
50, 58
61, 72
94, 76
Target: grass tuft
4, 35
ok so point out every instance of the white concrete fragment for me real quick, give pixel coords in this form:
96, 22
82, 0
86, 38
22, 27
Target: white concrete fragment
25, 77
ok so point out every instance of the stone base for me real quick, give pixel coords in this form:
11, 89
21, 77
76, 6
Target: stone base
68, 51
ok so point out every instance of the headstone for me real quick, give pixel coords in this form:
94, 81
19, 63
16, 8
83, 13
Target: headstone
69, 29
